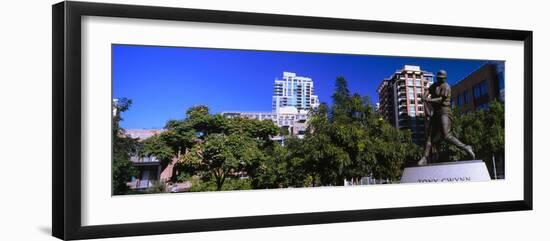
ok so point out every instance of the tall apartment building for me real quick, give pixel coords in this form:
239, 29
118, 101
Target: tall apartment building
400, 99
479, 88
293, 98
294, 91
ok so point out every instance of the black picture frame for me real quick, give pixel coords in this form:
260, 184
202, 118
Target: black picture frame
66, 128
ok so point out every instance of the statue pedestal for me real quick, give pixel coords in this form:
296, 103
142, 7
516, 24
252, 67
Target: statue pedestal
460, 171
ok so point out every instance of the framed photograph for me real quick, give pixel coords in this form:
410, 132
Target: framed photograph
171, 120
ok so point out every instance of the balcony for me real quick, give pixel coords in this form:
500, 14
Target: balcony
144, 160
140, 184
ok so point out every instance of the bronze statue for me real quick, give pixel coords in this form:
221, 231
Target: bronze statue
437, 109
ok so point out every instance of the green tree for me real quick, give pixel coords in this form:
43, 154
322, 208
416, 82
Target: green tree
123, 147
349, 141
483, 130
494, 129
220, 156
351, 119
393, 148
171, 145
325, 155
155, 146
203, 123
271, 170
218, 148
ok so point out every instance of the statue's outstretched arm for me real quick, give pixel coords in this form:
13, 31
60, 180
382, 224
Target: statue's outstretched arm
438, 99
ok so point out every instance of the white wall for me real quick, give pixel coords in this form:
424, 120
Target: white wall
25, 120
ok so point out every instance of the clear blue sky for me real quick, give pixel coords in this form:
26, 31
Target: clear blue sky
163, 82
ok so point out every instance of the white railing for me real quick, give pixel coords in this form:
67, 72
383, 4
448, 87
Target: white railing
145, 159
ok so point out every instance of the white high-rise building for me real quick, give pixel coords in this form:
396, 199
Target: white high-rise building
293, 98
294, 91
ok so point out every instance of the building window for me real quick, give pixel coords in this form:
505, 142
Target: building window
412, 112
467, 97
459, 100
481, 89
410, 91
